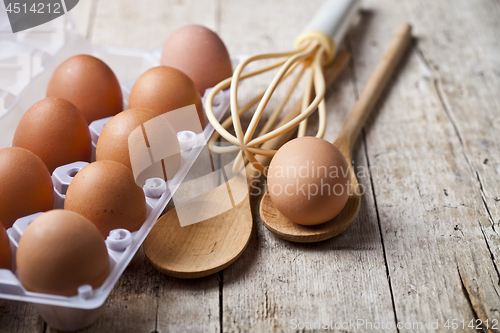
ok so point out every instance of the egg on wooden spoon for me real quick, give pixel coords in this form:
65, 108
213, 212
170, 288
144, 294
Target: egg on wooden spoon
308, 180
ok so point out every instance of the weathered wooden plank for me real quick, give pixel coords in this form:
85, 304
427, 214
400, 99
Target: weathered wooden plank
132, 305
462, 55
428, 197
147, 25
281, 286
82, 16
19, 317
189, 305
144, 300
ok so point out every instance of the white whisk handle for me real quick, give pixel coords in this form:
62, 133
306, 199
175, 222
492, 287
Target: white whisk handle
332, 20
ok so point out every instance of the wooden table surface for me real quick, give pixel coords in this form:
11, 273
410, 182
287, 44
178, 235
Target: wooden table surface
426, 245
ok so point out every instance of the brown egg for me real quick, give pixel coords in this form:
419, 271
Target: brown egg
163, 89
25, 185
113, 140
56, 131
5, 251
89, 84
200, 54
60, 251
308, 180
130, 133
105, 192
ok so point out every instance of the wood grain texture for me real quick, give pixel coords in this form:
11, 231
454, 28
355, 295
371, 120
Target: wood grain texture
428, 198
82, 16
147, 24
20, 317
276, 282
466, 78
425, 245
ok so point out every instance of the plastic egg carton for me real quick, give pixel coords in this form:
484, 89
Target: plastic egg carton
71, 313
27, 60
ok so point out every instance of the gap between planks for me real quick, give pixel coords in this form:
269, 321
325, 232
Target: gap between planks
354, 84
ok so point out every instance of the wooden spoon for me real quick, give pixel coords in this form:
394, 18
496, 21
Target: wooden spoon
207, 247
286, 229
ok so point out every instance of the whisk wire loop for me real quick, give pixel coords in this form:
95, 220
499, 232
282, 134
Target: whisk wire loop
310, 56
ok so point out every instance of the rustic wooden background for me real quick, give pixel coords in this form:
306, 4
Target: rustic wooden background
425, 246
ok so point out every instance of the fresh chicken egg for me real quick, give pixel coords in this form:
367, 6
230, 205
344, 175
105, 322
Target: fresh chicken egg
200, 54
25, 183
105, 192
113, 140
163, 89
89, 84
5, 251
129, 137
60, 251
56, 131
308, 180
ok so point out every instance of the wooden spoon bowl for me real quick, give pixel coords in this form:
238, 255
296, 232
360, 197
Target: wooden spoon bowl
286, 229
199, 249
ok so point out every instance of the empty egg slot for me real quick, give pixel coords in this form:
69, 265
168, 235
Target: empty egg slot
39, 61
15, 71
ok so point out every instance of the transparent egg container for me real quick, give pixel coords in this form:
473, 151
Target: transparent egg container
27, 60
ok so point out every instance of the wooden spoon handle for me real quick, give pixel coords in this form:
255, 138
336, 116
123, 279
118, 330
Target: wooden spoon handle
331, 73
372, 90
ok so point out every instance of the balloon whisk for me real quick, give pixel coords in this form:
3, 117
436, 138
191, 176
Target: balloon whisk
314, 48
